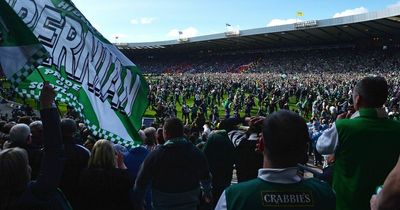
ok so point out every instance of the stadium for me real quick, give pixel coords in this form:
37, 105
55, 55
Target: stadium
295, 116
369, 31
360, 43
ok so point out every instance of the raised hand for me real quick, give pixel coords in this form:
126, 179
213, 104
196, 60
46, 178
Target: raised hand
47, 96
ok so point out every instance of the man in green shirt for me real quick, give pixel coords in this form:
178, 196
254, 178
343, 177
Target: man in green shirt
278, 185
366, 146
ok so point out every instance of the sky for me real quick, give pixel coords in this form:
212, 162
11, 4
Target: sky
159, 20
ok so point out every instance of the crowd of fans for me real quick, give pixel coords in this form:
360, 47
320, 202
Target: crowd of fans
349, 143
45, 163
302, 60
319, 97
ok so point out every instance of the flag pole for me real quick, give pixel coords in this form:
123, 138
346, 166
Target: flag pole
40, 74
44, 80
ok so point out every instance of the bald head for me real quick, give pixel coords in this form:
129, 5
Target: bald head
36, 131
36, 126
150, 133
20, 134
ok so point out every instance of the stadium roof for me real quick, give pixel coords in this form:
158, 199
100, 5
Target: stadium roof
376, 25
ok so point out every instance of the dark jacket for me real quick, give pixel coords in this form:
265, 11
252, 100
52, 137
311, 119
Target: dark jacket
248, 161
76, 159
35, 154
104, 189
175, 171
220, 154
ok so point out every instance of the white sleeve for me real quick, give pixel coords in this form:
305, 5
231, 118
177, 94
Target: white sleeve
328, 141
221, 205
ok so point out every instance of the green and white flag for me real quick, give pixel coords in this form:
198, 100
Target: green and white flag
20, 50
87, 71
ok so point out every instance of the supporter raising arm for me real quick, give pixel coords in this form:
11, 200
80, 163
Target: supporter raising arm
16, 189
52, 162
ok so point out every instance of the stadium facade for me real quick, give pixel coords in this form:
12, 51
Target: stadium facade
379, 30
